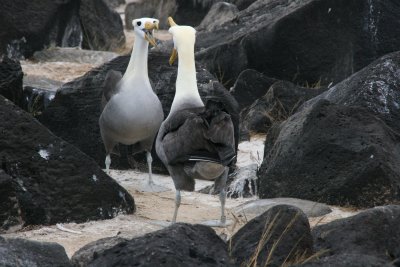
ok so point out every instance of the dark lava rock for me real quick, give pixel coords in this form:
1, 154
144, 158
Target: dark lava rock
21, 252
219, 13
275, 238
302, 41
10, 213
102, 27
27, 26
53, 180
374, 232
177, 245
346, 260
73, 114
376, 88
114, 3
250, 86
11, 76
280, 102
90, 252
243, 4
192, 12
151, 9
36, 100
334, 154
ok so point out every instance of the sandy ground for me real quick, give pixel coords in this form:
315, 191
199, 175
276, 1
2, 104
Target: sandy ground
155, 209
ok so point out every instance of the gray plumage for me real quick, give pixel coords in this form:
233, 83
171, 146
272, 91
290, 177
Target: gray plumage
131, 111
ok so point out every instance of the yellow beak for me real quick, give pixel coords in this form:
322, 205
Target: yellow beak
173, 56
171, 22
148, 36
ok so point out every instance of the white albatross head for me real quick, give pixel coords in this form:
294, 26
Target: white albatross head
144, 28
184, 37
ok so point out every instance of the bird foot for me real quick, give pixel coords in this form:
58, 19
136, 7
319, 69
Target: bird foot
153, 187
217, 223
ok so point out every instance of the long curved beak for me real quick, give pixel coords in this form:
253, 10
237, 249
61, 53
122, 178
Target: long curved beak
171, 22
173, 56
148, 32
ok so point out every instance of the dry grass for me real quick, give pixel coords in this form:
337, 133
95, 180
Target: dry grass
294, 256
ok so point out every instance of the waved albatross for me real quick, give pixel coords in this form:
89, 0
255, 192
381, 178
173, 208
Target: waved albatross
132, 112
195, 141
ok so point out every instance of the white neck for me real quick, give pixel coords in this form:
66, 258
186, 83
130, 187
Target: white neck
137, 66
186, 82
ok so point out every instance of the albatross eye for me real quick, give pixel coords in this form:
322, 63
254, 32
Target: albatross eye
139, 23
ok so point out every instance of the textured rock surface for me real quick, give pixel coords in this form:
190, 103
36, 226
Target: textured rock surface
219, 13
346, 260
21, 252
279, 235
53, 180
10, 213
27, 26
177, 245
11, 80
91, 251
376, 88
74, 112
303, 40
102, 27
333, 154
281, 101
373, 232
250, 86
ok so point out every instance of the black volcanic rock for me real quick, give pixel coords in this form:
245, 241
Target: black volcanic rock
177, 245
27, 26
280, 235
335, 154
346, 260
374, 232
21, 252
218, 14
102, 27
306, 41
281, 101
250, 86
11, 76
10, 213
192, 12
90, 252
73, 114
376, 88
53, 181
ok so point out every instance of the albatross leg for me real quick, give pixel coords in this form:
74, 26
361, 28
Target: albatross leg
220, 184
149, 185
108, 163
222, 199
177, 204
149, 162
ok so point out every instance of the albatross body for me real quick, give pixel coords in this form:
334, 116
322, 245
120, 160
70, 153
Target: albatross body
196, 141
132, 112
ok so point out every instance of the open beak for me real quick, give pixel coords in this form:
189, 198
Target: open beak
148, 32
173, 56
